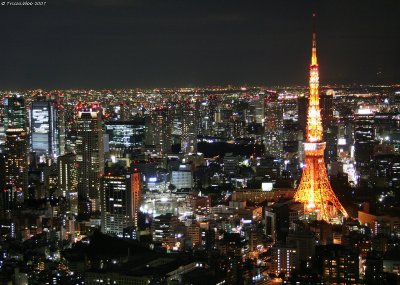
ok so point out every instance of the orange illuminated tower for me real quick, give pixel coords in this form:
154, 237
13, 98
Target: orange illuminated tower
135, 196
315, 191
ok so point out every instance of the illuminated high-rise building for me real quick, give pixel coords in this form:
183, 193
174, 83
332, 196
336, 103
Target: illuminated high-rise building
89, 152
12, 115
212, 103
14, 112
204, 122
4, 198
273, 126
120, 199
16, 163
189, 128
59, 105
315, 191
257, 109
125, 137
135, 195
292, 135
2, 126
364, 142
285, 259
160, 130
68, 181
69, 124
44, 130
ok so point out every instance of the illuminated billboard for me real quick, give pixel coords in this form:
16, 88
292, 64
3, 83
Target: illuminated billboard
44, 129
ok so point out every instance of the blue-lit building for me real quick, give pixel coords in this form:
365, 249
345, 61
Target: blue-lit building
14, 112
125, 136
12, 115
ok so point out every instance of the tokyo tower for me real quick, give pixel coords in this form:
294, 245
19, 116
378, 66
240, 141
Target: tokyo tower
314, 190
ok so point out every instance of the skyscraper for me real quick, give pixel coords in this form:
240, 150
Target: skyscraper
364, 142
160, 128
68, 181
125, 136
13, 141
257, 106
273, 126
284, 259
120, 199
4, 205
44, 129
189, 128
327, 109
14, 112
16, 164
89, 152
2, 126
315, 191
12, 115
328, 123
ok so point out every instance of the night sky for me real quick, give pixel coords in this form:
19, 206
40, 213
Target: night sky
169, 43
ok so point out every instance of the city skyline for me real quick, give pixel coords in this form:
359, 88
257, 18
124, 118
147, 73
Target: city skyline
237, 185
125, 44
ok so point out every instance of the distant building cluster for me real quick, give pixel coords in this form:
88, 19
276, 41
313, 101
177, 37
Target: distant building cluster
178, 186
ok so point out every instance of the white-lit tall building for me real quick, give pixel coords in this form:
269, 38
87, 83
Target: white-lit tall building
89, 152
160, 130
120, 200
284, 259
44, 130
14, 112
68, 181
125, 136
16, 163
12, 115
2, 126
273, 126
258, 106
189, 128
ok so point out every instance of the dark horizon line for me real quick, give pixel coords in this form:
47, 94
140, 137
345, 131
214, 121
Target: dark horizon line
200, 86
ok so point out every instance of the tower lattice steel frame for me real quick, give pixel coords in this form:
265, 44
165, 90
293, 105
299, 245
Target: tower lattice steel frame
314, 190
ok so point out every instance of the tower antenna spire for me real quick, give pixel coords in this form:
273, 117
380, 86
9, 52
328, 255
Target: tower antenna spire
314, 40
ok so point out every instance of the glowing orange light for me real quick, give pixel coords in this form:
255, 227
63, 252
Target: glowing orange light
314, 190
